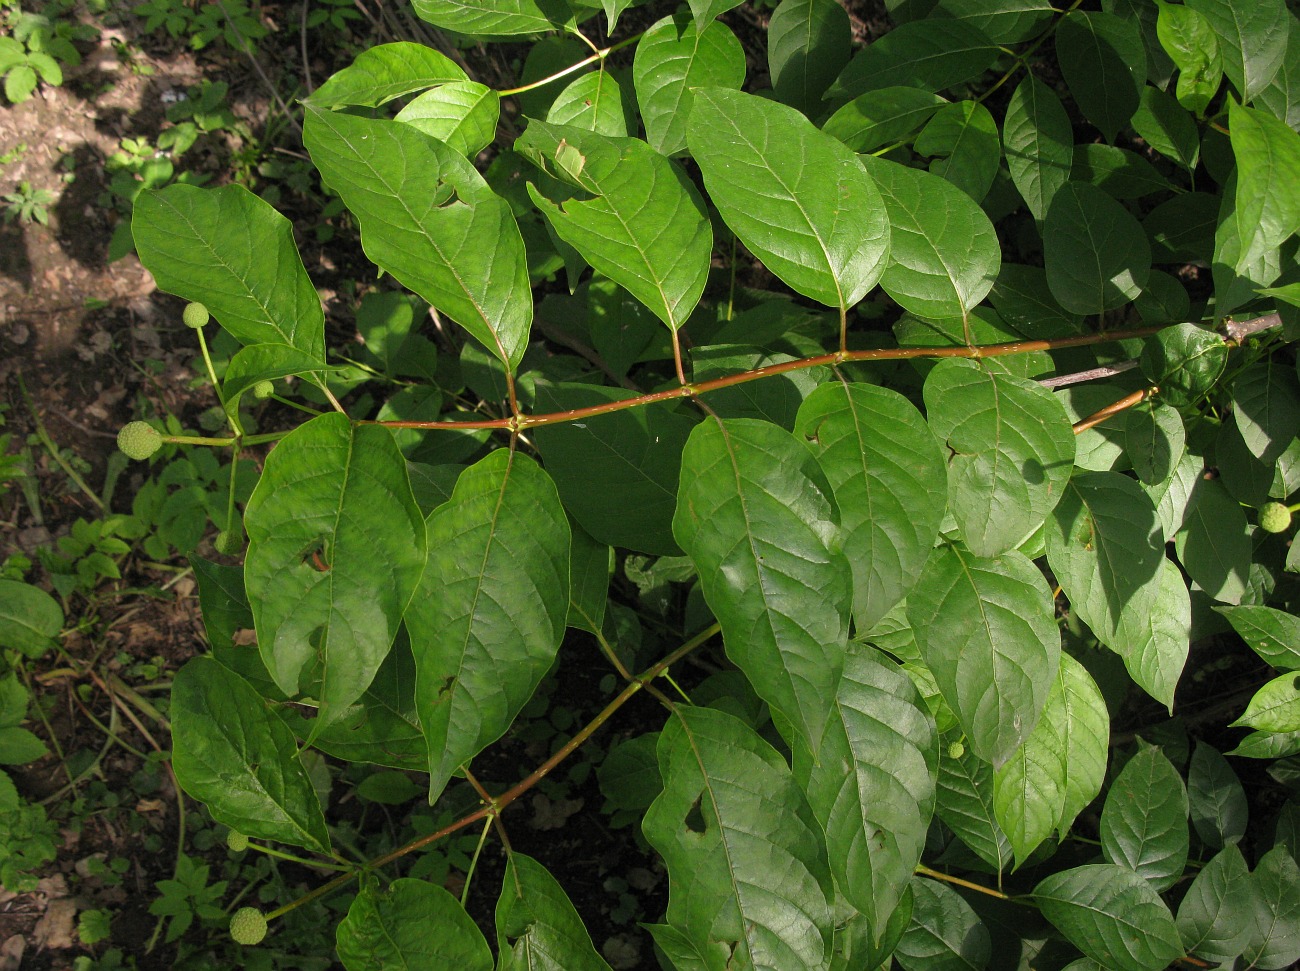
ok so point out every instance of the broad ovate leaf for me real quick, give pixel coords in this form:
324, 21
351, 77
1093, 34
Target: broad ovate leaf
887, 472
464, 114
799, 199
754, 515
645, 226
944, 931
1012, 449
808, 44
411, 925
985, 628
428, 218
1252, 40
336, 546
729, 820
1096, 255
1038, 142
1267, 203
1214, 918
872, 783
495, 18
234, 755
384, 72
1144, 821
538, 928
490, 611
230, 251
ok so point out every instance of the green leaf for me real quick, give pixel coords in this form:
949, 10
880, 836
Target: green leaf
1038, 142
730, 817
1266, 407
705, 10
378, 167
1252, 40
1144, 820
882, 116
944, 253
1184, 362
754, 515
1119, 173
965, 136
538, 928
1282, 95
797, 198
595, 101
264, 362
1096, 255
490, 610
462, 114
30, 618
1214, 918
617, 473
1266, 204
230, 251
1061, 765
1275, 942
1004, 21
335, 551
1154, 439
965, 804
675, 57
1275, 707
1268, 745
872, 783
589, 569
1154, 644
1167, 127
233, 755
495, 18
1112, 915
808, 44
410, 926
384, 72
1103, 544
1012, 451
1104, 63
1191, 42
1216, 798
1272, 634
18, 746
985, 628
645, 228
932, 54
887, 472
1214, 545
944, 934
776, 399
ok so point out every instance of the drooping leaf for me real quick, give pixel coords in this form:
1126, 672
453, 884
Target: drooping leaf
1282, 94
1275, 941
1266, 408
264, 362
1275, 707
230, 251
964, 136
595, 101
706, 10
1167, 127
1215, 797
882, 116
1038, 143
336, 545
384, 72
1096, 255
1003, 22
490, 610
944, 934
1252, 40
645, 226
1192, 44
887, 472
877, 812
944, 253
1267, 206
754, 516
1154, 439
797, 198
1272, 634
932, 54
808, 44
675, 57
617, 473
985, 628
965, 804
538, 928
1144, 820
237, 758
730, 817
1154, 644
1112, 915
1214, 918
1104, 63
378, 168
589, 569
464, 114
495, 18
1214, 545
410, 926
1013, 449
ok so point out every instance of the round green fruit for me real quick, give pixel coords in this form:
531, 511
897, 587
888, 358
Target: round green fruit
956, 750
236, 841
195, 315
229, 541
1274, 518
138, 440
263, 389
248, 926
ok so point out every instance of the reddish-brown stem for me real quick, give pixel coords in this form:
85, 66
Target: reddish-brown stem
1097, 417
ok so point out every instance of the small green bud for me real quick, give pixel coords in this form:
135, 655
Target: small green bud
956, 750
248, 926
138, 440
195, 315
1274, 518
230, 542
237, 841
263, 389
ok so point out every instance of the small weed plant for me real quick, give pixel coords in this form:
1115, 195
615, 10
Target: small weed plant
941, 391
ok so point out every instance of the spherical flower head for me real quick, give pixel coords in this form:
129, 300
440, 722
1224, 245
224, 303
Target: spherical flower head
248, 926
263, 389
236, 841
1274, 518
229, 541
195, 315
138, 440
